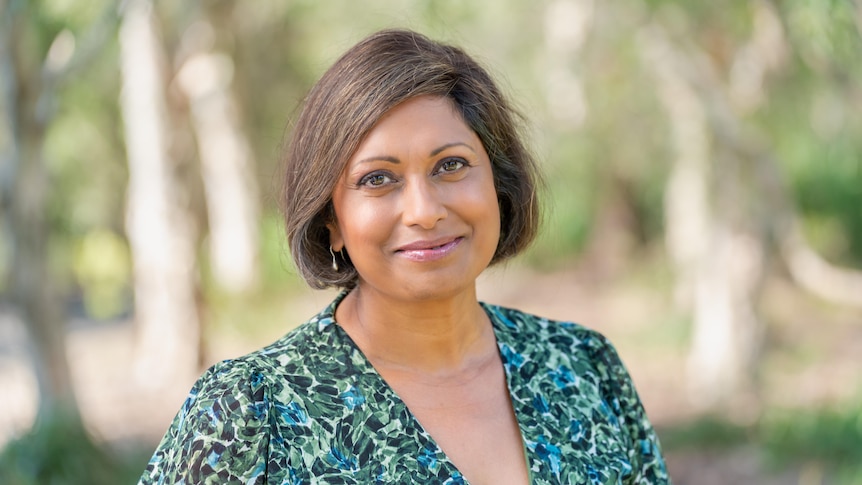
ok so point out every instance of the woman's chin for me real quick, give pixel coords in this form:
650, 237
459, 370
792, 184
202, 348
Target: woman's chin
423, 288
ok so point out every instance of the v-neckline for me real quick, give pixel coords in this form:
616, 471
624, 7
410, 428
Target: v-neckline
368, 369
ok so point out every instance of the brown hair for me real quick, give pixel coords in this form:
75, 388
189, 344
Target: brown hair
374, 76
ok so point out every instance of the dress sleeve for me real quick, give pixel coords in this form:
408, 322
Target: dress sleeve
648, 466
221, 434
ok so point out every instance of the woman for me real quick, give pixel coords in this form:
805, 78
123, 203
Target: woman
405, 178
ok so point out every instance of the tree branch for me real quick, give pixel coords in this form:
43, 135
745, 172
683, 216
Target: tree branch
807, 268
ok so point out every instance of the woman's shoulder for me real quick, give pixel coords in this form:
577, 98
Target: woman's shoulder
307, 346
256, 371
527, 326
562, 346
559, 365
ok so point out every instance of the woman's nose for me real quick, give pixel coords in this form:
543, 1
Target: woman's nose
422, 205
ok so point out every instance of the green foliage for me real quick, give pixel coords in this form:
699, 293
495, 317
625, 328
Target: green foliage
815, 135
825, 30
275, 259
832, 204
69, 12
814, 119
567, 204
830, 436
60, 452
827, 438
708, 433
102, 266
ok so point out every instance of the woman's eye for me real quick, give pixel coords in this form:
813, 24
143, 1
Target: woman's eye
375, 180
451, 165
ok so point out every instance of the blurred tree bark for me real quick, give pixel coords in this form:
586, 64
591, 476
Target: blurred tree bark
567, 25
158, 222
9, 156
227, 164
718, 255
29, 81
32, 287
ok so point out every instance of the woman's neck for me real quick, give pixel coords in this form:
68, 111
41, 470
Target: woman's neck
443, 338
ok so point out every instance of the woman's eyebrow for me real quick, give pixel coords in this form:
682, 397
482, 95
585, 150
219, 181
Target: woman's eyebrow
436, 151
450, 145
379, 158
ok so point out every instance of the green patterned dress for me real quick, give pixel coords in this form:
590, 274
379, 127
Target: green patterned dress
310, 408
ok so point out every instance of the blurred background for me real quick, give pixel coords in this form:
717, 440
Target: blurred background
704, 210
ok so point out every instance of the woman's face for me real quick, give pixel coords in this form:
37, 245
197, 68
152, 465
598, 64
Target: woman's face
416, 207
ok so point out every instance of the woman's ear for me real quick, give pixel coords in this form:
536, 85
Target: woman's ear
335, 239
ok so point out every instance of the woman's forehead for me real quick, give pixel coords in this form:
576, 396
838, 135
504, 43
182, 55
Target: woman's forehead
424, 123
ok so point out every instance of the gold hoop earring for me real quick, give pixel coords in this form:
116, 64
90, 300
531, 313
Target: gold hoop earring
334, 263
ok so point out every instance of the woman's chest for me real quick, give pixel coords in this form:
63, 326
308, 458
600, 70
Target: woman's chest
358, 431
473, 423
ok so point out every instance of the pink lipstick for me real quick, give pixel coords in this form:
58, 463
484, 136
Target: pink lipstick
426, 251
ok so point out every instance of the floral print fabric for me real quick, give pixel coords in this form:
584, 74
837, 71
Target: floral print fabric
310, 408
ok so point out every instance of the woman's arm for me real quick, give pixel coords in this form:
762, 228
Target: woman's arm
221, 434
620, 394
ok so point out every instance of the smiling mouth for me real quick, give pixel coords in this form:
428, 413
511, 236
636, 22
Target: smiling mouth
429, 251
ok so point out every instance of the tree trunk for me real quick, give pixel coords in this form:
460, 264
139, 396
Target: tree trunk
27, 96
159, 226
32, 286
9, 129
688, 218
567, 23
227, 166
718, 254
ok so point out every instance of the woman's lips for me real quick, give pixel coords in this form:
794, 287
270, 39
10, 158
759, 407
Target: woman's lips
424, 251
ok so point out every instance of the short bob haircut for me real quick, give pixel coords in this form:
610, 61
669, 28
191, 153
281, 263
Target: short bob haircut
380, 72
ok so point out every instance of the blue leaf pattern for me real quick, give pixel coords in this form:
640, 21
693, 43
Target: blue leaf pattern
292, 414
352, 398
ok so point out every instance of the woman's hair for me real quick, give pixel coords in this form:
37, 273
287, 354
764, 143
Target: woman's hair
371, 78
